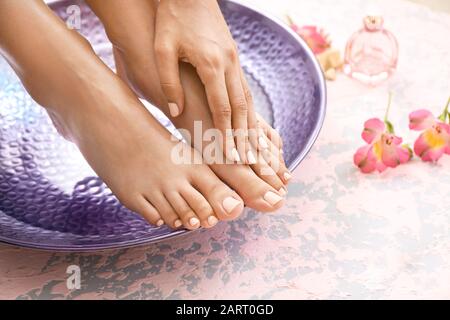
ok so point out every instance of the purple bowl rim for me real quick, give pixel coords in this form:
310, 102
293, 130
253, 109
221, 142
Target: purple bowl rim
140, 242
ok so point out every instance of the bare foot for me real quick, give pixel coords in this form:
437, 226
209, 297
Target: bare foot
132, 153
119, 138
259, 185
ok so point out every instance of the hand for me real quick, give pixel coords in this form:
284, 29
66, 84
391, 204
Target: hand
195, 31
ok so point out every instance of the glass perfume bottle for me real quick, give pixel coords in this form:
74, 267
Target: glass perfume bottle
371, 53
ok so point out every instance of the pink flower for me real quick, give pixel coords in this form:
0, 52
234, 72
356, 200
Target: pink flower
434, 141
314, 36
384, 149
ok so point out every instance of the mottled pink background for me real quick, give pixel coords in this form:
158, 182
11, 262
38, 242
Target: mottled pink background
341, 235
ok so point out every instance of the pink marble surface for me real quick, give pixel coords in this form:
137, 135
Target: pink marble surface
341, 235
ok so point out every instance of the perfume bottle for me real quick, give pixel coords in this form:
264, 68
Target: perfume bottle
371, 53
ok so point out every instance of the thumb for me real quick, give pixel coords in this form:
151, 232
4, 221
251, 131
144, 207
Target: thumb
169, 75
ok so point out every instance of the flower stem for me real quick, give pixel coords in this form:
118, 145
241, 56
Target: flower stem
386, 116
389, 125
445, 113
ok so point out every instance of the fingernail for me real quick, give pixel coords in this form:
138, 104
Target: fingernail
174, 110
282, 191
177, 223
272, 198
263, 143
235, 155
159, 223
287, 176
194, 221
281, 151
251, 158
212, 221
230, 203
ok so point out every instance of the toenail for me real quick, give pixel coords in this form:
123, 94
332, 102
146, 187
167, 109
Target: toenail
251, 158
174, 110
212, 221
235, 155
230, 204
263, 143
287, 176
177, 223
194, 221
282, 191
159, 223
272, 198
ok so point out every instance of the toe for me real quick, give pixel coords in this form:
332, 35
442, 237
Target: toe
200, 206
148, 212
255, 192
269, 175
226, 203
165, 210
186, 214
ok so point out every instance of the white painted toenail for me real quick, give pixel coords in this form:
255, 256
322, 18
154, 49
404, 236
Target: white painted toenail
287, 176
159, 223
174, 110
235, 155
194, 221
282, 191
263, 143
251, 158
212, 221
177, 223
230, 204
272, 198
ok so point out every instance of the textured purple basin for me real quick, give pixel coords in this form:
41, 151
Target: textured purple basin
51, 199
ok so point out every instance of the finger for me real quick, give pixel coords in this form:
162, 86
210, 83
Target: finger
274, 158
219, 104
239, 111
252, 121
270, 132
168, 69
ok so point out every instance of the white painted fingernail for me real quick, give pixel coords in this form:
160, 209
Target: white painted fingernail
177, 223
235, 155
194, 221
263, 143
212, 221
230, 204
174, 110
287, 176
251, 158
272, 198
159, 223
282, 191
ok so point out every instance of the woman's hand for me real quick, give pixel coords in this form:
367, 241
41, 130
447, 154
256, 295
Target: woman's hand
195, 31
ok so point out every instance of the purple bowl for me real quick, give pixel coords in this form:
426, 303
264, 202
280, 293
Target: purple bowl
51, 199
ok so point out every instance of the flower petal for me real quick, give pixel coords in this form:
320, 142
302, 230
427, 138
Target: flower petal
362, 160
421, 119
421, 146
433, 155
372, 129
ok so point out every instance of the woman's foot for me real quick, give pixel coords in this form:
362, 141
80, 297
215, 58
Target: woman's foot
123, 143
262, 185
259, 185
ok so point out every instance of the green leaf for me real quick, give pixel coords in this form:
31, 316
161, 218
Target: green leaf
389, 126
407, 147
